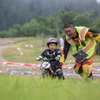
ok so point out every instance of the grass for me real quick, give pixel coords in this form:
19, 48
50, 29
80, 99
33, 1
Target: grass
28, 88
29, 55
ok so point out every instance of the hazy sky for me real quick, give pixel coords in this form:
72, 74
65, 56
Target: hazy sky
98, 0
31, 0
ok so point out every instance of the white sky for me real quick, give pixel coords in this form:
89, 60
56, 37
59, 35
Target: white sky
98, 0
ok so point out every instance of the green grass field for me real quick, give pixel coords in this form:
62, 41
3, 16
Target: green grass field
31, 88
12, 54
36, 88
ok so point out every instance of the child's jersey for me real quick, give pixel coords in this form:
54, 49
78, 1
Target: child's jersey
50, 55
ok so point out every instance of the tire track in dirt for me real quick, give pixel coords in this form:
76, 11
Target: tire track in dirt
3, 44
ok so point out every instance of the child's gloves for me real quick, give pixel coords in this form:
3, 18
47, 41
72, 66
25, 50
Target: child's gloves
39, 58
58, 57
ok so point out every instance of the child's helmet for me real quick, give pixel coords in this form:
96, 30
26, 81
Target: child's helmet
51, 40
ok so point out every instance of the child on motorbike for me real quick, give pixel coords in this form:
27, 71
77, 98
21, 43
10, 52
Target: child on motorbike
53, 55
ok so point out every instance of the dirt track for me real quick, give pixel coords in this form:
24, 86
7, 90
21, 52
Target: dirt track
3, 45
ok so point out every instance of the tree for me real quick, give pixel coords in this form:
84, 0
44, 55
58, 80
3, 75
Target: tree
83, 20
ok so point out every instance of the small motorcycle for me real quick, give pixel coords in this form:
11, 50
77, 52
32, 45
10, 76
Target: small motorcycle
48, 72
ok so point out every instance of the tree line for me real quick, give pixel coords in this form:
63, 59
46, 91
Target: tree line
48, 25
23, 11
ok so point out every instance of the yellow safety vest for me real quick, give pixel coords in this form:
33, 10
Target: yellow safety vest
90, 43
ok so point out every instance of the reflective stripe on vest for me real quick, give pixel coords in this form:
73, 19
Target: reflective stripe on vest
89, 46
83, 32
69, 40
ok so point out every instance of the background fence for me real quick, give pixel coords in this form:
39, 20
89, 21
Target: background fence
98, 48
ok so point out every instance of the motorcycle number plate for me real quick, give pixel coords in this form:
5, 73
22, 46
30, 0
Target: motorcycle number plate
45, 65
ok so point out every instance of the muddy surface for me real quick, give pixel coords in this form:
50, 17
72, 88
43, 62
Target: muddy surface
3, 44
